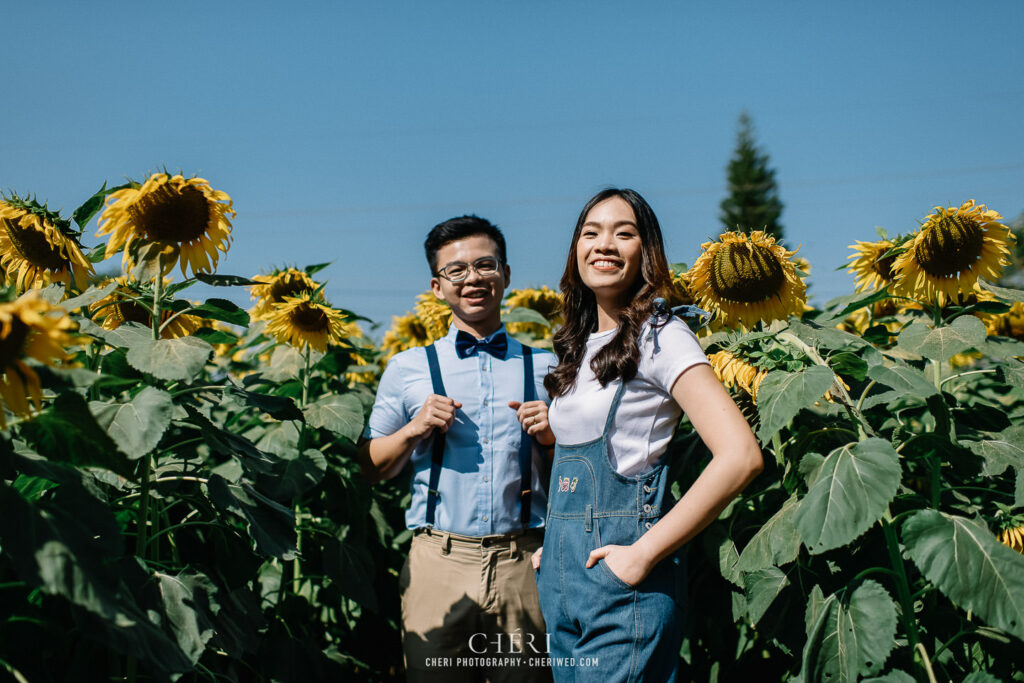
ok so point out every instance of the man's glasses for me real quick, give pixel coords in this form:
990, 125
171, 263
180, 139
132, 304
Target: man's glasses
459, 271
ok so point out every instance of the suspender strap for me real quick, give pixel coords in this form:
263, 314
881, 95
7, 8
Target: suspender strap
438, 454
526, 441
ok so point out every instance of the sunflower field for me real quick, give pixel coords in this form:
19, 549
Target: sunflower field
183, 499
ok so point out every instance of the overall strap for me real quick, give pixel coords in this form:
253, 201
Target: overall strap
526, 441
614, 407
438, 454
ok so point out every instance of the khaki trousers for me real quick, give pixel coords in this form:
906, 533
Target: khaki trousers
470, 610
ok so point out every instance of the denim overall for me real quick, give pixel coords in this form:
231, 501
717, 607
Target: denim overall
601, 628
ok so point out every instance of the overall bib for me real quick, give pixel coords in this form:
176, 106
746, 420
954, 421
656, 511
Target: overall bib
599, 627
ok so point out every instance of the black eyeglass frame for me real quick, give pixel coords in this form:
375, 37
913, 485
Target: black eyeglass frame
469, 266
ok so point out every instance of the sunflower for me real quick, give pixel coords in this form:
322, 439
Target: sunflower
680, 294
29, 327
1008, 324
436, 315
733, 371
364, 373
302, 320
872, 265
37, 248
275, 287
185, 215
120, 307
746, 278
1013, 537
545, 301
952, 249
406, 332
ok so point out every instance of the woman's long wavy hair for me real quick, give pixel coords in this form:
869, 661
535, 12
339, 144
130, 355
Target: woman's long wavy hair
619, 357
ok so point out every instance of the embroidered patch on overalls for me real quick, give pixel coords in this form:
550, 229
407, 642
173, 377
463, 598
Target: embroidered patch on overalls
572, 486
567, 486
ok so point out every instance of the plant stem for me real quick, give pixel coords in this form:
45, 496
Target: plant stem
902, 584
143, 518
297, 562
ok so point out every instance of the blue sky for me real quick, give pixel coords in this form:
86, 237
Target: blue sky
344, 130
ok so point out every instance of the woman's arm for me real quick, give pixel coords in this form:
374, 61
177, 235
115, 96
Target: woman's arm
735, 460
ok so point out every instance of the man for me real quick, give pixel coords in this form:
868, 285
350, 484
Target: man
465, 412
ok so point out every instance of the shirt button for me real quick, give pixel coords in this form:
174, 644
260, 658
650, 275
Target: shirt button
485, 518
486, 479
485, 401
647, 508
484, 440
648, 525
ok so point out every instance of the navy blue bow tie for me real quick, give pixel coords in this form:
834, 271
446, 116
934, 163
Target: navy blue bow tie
467, 345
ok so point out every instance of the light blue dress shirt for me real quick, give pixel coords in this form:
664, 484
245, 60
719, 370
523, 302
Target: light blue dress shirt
480, 479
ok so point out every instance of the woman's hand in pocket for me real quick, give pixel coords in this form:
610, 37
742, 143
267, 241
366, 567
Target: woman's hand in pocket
535, 559
627, 562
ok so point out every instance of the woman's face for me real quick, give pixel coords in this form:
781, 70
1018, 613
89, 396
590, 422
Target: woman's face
608, 252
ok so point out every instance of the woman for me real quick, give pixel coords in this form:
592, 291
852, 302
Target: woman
610, 582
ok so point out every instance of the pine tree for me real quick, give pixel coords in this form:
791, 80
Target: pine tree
753, 201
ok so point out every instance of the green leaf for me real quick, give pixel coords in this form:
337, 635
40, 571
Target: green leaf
170, 359
849, 365
352, 566
810, 467
84, 213
286, 363
340, 414
187, 604
212, 336
816, 605
68, 545
969, 565
125, 335
815, 334
225, 280
137, 426
856, 484
316, 268
271, 524
775, 543
522, 314
293, 477
89, 296
228, 443
904, 381
998, 454
851, 640
1018, 492
68, 432
981, 677
1001, 347
223, 310
894, 676
966, 332
842, 306
1004, 293
277, 407
1014, 372
762, 587
783, 394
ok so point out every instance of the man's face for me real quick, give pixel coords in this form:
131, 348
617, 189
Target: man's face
476, 301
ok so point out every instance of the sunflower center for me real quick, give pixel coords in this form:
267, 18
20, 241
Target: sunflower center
134, 313
746, 273
883, 267
309, 319
952, 245
12, 344
170, 214
33, 246
287, 287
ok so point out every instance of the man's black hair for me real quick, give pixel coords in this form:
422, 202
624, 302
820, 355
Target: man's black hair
459, 228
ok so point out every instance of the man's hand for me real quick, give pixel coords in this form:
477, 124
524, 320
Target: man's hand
438, 412
533, 415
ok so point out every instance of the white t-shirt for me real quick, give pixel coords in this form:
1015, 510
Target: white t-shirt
647, 415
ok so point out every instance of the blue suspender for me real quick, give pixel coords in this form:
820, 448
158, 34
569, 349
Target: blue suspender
438, 454
525, 444
526, 441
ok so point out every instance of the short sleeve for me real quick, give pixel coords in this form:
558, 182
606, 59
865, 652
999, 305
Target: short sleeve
669, 352
389, 413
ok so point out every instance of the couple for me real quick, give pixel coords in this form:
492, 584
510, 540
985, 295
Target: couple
601, 599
